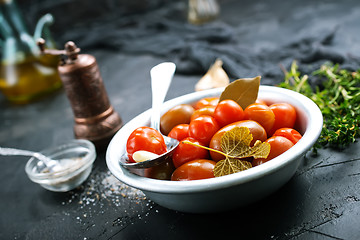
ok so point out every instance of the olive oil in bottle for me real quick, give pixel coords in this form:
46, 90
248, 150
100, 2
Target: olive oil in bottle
28, 79
25, 74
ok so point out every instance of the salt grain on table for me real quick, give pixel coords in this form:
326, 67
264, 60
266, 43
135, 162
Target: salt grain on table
103, 189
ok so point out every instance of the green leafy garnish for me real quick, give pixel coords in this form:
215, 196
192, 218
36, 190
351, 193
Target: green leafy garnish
338, 99
235, 145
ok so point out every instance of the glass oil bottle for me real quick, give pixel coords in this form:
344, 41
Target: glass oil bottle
25, 74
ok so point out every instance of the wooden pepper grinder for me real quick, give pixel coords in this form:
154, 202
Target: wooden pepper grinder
95, 118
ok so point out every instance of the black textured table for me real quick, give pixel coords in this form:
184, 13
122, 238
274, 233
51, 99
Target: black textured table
322, 200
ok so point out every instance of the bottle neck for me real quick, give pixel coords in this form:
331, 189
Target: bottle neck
14, 26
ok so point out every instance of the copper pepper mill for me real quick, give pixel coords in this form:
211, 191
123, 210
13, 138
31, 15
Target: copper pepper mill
95, 118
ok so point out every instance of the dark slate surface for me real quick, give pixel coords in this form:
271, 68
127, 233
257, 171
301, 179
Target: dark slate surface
321, 201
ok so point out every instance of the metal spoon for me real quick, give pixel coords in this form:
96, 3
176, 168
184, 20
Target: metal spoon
161, 76
50, 164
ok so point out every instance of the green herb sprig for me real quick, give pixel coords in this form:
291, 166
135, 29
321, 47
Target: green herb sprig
338, 99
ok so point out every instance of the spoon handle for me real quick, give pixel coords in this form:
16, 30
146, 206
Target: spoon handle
20, 152
15, 152
161, 76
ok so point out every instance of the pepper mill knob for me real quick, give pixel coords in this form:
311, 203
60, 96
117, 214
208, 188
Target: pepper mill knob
71, 50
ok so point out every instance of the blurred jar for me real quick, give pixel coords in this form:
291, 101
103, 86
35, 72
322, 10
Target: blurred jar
202, 11
25, 74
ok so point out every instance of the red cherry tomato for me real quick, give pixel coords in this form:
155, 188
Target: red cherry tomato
257, 131
285, 116
179, 132
260, 101
278, 145
262, 114
194, 170
186, 152
163, 171
208, 101
147, 139
228, 111
203, 128
290, 133
209, 110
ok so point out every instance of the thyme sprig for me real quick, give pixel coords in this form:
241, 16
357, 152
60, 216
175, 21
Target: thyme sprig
338, 98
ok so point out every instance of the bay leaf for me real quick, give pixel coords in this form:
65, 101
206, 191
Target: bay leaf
244, 91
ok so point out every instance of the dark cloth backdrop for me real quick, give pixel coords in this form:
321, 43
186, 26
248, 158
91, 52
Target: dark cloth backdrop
274, 34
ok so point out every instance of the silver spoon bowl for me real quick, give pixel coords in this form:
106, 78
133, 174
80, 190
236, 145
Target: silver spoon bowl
161, 77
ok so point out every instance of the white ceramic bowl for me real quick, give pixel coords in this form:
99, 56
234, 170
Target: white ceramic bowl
231, 191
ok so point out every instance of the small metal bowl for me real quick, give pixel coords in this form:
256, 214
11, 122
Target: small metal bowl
230, 191
76, 157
